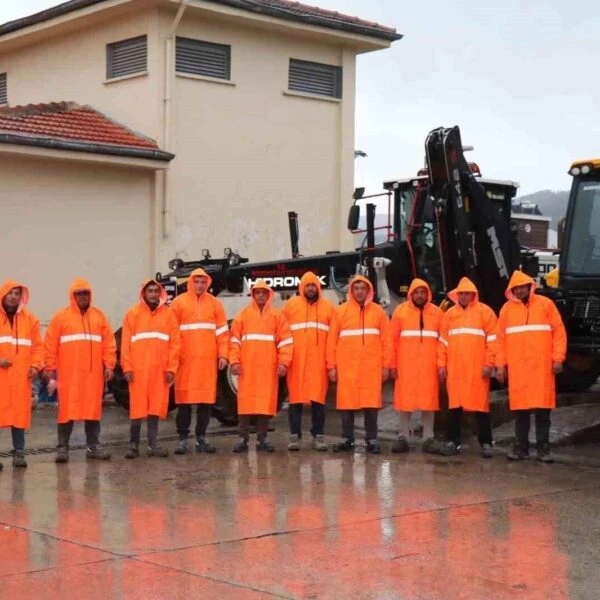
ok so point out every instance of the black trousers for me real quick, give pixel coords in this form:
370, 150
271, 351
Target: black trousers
92, 433
484, 426
262, 425
135, 430
184, 419
371, 415
542, 426
18, 438
317, 411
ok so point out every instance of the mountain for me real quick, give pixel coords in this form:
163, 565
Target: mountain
551, 204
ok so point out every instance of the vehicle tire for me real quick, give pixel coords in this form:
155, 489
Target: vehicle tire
580, 372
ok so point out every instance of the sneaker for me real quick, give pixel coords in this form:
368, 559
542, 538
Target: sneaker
432, 446
19, 461
373, 447
157, 450
264, 445
400, 446
319, 444
486, 451
345, 446
241, 446
97, 453
543, 453
62, 455
450, 449
203, 446
182, 447
517, 452
132, 451
294, 444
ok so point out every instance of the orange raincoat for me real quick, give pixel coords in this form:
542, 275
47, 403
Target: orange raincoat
79, 346
150, 346
309, 323
21, 344
415, 334
531, 337
259, 342
467, 344
204, 339
359, 347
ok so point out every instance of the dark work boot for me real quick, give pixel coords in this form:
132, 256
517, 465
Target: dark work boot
97, 453
400, 446
19, 461
62, 455
203, 446
487, 451
264, 445
241, 446
156, 450
345, 446
543, 453
182, 447
518, 452
132, 451
372, 447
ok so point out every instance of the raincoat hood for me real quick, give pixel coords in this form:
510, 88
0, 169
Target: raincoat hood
308, 278
79, 284
190, 281
464, 285
163, 293
417, 283
370, 293
261, 285
8, 285
519, 278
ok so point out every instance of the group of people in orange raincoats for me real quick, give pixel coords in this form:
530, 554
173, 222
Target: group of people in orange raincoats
308, 341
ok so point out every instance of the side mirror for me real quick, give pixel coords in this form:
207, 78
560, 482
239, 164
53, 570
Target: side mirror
353, 217
561, 228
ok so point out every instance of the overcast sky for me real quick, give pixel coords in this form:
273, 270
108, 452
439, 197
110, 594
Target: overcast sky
520, 77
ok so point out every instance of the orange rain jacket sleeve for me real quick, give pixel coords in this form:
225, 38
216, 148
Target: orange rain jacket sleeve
467, 344
150, 346
21, 344
309, 323
259, 342
531, 337
78, 347
415, 333
204, 339
359, 347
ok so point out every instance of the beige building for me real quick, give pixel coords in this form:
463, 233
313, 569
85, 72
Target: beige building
254, 98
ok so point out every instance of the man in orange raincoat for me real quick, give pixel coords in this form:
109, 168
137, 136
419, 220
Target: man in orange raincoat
465, 362
531, 349
80, 354
260, 353
310, 316
204, 350
415, 331
150, 346
21, 359
359, 358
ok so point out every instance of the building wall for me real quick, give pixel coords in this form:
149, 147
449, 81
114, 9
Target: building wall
62, 220
532, 233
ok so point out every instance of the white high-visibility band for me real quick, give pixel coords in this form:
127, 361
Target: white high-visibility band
285, 342
358, 332
419, 333
221, 330
15, 341
258, 337
526, 328
234, 340
194, 326
466, 331
443, 341
150, 335
309, 325
80, 337
491, 338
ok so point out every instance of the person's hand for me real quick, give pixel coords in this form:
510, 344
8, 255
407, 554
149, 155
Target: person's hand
501, 375
170, 378
49, 374
108, 374
236, 369
332, 374
5, 363
128, 376
385, 374
557, 368
486, 372
33, 373
394, 373
222, 364
442, 373
51, 387
281, 370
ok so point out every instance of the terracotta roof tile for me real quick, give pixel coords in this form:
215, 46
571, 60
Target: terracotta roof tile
71, 122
